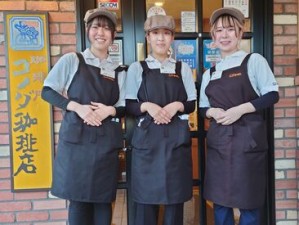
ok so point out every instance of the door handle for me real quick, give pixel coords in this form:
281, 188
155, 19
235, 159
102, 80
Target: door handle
140, 51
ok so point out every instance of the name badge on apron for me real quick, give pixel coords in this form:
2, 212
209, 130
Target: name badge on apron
216, 75
167, 69
108, 72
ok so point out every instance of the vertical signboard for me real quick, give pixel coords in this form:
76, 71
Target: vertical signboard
31, 142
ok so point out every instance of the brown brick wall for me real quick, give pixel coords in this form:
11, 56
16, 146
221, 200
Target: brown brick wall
286, 45
38, 208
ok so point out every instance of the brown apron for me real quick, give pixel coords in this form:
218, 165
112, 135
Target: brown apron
161, 156
237, 153
86, 164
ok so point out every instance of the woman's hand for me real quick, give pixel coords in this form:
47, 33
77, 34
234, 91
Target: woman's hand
160, 115
85, 112
173, 108
215, 113
103, 111
232, 114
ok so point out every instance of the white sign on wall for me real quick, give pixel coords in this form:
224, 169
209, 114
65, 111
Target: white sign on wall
188, 21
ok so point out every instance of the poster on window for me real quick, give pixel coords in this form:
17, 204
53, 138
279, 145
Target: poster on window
242, 5
30, 117
185, 51
188, 21
211, 54
116, 52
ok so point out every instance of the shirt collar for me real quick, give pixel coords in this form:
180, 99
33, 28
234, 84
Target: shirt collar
151, 58
88, 55
234, 55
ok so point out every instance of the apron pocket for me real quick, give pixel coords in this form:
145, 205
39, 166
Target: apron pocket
70, 132
139, 139
184, 137
116, 133
257, 133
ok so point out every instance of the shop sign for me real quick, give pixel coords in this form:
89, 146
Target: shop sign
108, 4
30, 118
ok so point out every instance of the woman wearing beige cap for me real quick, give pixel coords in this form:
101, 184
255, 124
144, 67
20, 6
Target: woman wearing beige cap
160, 94
233, 95
86, 164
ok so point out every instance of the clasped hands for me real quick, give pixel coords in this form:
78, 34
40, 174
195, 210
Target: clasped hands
162, 115
231, 115
94, 113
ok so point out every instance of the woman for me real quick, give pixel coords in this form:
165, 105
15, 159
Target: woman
233, 94
86, 164
160, 93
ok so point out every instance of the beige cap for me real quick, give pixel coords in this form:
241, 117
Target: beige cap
227, 11
92, 13
159, 21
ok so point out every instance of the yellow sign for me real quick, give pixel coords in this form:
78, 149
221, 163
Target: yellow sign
31, 140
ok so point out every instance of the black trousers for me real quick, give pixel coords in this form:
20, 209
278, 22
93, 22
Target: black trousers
148, 214
85, 213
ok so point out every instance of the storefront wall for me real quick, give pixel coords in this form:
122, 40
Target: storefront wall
40, 208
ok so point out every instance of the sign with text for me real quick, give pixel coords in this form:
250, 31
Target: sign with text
211, 54
185, 50
108, 4
31, 141
116, 52
242, 5
188, 21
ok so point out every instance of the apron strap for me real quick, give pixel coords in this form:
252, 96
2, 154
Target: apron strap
245, 60
80, 57
212, 70
121, 68
144, 67
178, 68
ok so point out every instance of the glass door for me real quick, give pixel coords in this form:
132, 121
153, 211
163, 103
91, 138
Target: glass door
185, 48
123, 51
192, 45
